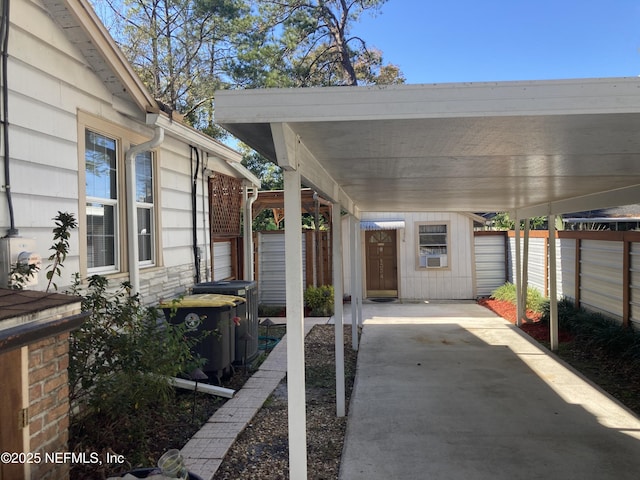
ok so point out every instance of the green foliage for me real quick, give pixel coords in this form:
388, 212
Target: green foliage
502, 221
120, 362
269, 173
320, 300
20, 275
64, 223
507, 292
598, 333
309, 43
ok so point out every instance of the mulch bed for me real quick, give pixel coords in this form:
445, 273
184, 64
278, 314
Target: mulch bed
533, 326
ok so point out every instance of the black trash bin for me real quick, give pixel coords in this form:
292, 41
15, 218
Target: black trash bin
246, 336
209, 313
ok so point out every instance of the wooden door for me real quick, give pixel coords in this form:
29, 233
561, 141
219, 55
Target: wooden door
382, 263
11, 429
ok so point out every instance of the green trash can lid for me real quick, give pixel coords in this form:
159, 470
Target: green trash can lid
204, 300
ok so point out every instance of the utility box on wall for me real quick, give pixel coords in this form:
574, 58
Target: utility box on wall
22, 250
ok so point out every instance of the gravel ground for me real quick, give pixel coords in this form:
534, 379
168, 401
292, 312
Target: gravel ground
261, 451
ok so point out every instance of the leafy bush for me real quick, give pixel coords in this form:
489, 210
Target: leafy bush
120, 361
507, 292
597, 333
319, 300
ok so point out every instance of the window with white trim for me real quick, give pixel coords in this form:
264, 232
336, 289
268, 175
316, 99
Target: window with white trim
433, 245
101, 176
145, 208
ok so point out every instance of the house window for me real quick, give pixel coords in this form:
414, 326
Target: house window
145, 208
101, 174
433, 245
105, 198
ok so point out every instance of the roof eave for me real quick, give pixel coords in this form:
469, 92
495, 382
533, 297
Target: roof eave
106, 45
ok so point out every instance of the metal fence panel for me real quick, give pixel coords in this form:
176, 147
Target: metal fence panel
566, 262
271, 273
634, 284
601, 280
490, 267
221, 260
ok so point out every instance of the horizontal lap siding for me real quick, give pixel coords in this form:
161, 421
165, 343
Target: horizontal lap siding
50, 87
48, 81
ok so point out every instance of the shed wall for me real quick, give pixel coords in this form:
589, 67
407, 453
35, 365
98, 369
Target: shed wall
454, 282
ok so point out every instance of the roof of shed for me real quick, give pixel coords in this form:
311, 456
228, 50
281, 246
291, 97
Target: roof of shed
534, 147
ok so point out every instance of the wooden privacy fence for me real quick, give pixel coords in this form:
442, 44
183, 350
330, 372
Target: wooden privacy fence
599, 270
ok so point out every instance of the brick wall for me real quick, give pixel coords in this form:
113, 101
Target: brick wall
49, 404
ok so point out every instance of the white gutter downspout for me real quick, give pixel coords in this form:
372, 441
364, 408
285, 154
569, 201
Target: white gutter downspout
132, 213
248, 231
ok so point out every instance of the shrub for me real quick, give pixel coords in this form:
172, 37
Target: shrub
120, 361
507, 292
598, 333
319, 300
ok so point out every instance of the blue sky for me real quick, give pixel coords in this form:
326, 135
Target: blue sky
436, 41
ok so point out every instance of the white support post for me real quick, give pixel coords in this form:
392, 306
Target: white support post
295, 328
355, 293
358, 289
338, 288
553, 285
518, 274
524, 284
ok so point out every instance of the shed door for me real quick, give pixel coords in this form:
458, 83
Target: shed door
382, 263
11, 430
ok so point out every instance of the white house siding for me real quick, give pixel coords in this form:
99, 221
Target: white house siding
51, 87
454, 282
48, 80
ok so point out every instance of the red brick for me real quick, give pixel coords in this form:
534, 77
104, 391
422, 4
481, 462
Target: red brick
35, 424
56, 413
61, 349
35, 391
63, 363
43, 343
43, 437
54, 382
35, 358
63, 393
41, 373
41, 405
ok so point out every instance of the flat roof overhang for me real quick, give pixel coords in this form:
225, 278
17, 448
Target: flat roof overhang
534, 148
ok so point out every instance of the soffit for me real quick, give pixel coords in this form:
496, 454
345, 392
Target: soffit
456, 147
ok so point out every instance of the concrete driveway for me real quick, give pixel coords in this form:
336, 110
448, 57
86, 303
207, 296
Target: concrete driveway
451, 391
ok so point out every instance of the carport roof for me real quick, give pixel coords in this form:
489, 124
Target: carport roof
535, 147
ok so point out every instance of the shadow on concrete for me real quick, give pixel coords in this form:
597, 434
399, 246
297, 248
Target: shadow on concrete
443, 393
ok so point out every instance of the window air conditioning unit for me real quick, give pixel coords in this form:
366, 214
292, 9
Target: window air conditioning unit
433, 261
